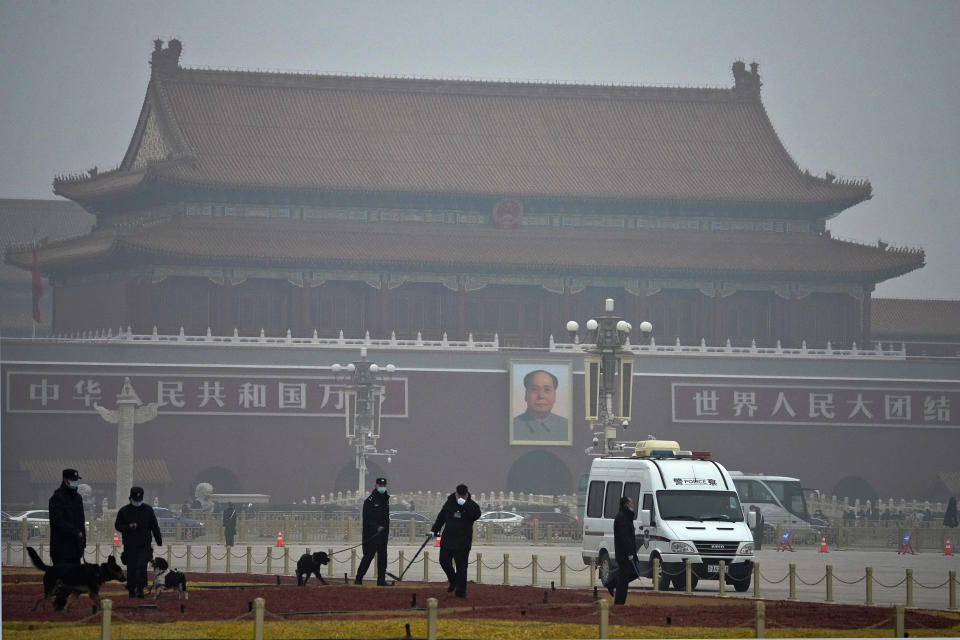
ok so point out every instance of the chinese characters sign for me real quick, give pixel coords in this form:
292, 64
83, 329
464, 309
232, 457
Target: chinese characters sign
190, 393
816, 405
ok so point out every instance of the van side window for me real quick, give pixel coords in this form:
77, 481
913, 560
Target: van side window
595, 499
632, 490
648, 502
611, 504
753, 491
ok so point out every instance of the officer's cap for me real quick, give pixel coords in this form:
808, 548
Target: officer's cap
71, 474
382, 482
136, 493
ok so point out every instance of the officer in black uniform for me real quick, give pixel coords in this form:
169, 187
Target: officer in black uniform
376, 531
456, 518
625, 548
135, 522
68, 533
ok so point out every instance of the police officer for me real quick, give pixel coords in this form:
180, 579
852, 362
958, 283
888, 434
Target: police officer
376, 531
135, 522
229, 524
625, 548
456, 518
68, 533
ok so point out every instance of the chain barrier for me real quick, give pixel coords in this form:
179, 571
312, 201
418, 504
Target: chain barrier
857, 581
174, 554
491, 567
811, 584
265, 556
890, 586
785, 576
214, 556
203, 554
519, 568
545, 570
942, 584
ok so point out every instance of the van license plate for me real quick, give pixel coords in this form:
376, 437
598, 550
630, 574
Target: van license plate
713, 568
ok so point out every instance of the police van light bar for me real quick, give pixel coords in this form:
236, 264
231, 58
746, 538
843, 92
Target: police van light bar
662, 452
701, 454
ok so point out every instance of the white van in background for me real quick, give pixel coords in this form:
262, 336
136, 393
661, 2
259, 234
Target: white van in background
778, 498
687, 508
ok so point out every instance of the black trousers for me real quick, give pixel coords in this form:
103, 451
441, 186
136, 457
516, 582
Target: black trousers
229, 533
378, 547
136, 561
458, 578
60, 600
625, 574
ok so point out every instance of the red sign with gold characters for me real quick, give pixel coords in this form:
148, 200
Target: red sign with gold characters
507, 213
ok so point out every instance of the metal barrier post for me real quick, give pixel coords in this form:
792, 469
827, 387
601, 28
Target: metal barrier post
533, 570
426, 566
330, 564
412, 530
400, 561
953, 590
106, 606
563, 572
756, 580
431, 619
604, 618
898, 623
909, 587
869, 581
228, 558
506, 568
286, 560
722, 581
353, 562
687, 575
258, 606
829, 581
479, 568
793, 582
656, 573
593, 572
209, 560
188, 556
250, 560
760, 609
170, 555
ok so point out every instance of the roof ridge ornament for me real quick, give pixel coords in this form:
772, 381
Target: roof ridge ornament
746, 81
166, 60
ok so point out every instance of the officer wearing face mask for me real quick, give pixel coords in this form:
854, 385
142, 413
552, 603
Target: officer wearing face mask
136, 522
376, 530
456, 519
68, 534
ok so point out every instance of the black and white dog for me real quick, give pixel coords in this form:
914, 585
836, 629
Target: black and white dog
166, 578
310, 563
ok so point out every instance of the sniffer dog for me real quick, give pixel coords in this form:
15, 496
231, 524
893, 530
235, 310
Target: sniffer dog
78, 578
310, 563
166, 578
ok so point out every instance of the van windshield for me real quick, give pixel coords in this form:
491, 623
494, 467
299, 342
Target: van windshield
699, 505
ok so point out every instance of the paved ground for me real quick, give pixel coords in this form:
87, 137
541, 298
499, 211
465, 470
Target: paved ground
930, 570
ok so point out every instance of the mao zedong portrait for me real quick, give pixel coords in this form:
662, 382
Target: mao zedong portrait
538, 422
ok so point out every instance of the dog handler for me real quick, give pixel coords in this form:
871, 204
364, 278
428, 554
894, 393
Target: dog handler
456, 518
68, 534
376, 530
135, 522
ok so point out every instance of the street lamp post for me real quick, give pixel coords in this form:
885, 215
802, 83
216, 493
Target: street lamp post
363, 399
608, 370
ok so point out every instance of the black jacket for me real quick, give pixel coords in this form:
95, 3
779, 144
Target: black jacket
457, 523
376, 513
138, 538
68, 534
624, 535
230, 518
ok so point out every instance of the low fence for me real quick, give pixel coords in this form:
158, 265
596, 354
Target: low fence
280, 561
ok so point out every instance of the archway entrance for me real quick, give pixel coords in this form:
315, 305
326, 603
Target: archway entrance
539, 472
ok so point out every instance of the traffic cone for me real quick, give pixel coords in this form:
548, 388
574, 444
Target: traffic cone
280, 538
437, 544
946, 550
823, 544
116, 539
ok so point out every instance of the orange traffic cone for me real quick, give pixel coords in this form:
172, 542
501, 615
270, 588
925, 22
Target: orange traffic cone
116, 539
280, 538
823, 544
437, 544
946, 550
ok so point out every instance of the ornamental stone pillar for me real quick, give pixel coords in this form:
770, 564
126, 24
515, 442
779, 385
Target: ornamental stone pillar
130, 411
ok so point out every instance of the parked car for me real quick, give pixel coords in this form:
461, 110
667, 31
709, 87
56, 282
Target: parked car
37, 522
168, 521
507, 521
561, 525
409, 515
11, 528
400, 523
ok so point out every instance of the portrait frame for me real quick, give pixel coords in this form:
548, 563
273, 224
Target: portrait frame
550, 431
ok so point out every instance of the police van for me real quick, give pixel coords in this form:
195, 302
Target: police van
687, 508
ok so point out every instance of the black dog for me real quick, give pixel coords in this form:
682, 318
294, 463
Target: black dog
310, 563
166, 578
77, 578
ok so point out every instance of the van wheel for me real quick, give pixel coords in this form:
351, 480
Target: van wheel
604, 569
742, 585
663, 580
680, 582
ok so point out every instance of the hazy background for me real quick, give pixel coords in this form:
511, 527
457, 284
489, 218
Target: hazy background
862, 89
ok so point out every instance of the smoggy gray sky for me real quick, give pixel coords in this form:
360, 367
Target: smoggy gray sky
859, 88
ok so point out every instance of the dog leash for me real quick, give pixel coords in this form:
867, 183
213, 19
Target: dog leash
357, 545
